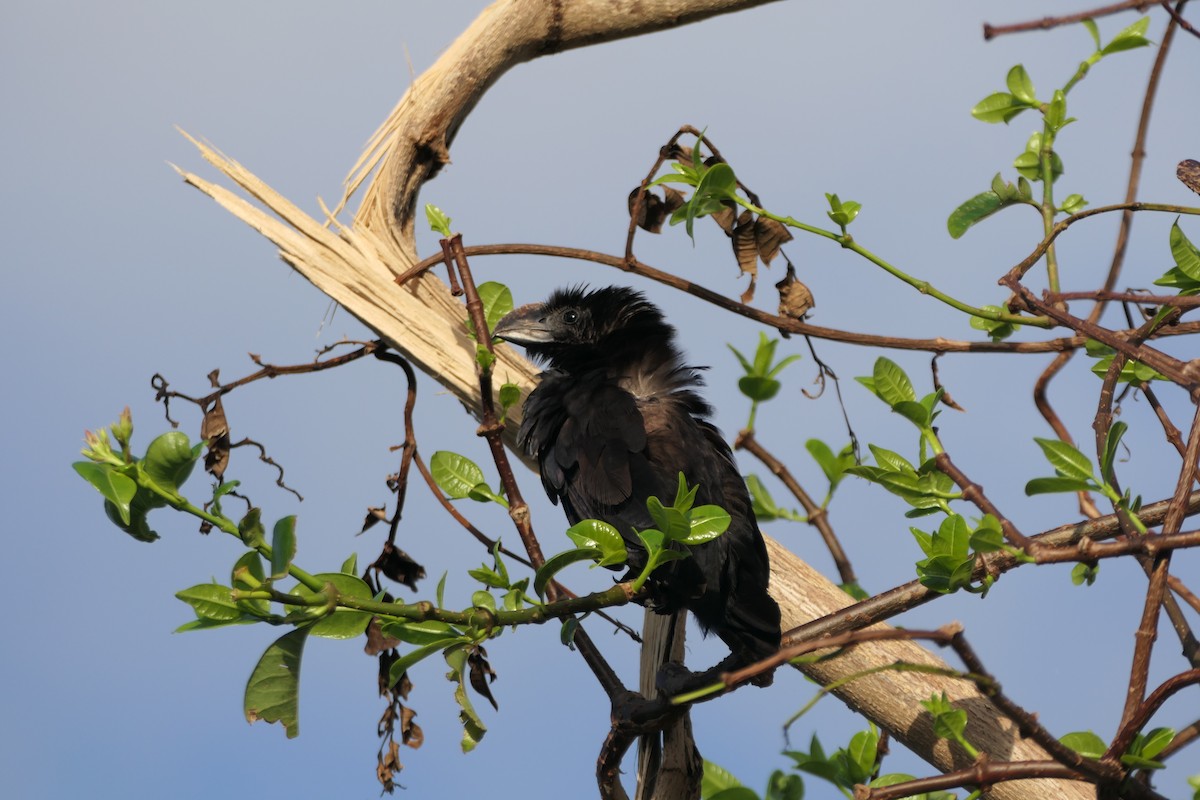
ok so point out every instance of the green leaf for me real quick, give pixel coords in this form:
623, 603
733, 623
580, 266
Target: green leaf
997, 329
350, 565
718, 181
672, 523
343, 623
273, 691
497, 301
952, 537
862, 753
558, 562
116, 488
975, 210
998, 107
420, 632
1187, 257
251, 529
716, 186
782, 786
483, 357
924, 540
707, 523
1092, 29
736, 793
199, 624
1066, 460
1111, 443
592, 534
439, 222
211, 601
741, 359
473, 727
891, 383
758, 388
455, 475
1084, 573
685, 498
715, 779
1156, 741
509, 395
1073, 204
482, 493
891, 461
169, 460
1021, 86
914, 412
407, 661
248, 574
1056, 112
1129, 38
989, 536
283, 546
482, 599
761, 501
784, 362
1055, 485
842, 212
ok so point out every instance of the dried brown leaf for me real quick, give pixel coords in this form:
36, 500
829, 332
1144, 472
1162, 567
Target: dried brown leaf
388, 767
215, 429
652, 214
399, 566
374, 515
744, 247
769, 236
726, 218
1189, 172
410, 732
481, 670
672, 199
795, 299
377, 642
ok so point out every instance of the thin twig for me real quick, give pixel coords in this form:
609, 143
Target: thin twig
1046, 23
938, 345
817, 515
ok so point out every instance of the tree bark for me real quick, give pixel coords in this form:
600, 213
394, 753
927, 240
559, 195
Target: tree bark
356, 267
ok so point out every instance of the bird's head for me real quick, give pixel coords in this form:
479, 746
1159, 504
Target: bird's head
577, 325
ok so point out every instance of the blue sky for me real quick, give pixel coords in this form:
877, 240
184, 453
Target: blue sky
114, 270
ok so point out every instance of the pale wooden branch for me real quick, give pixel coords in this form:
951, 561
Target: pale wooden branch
356, 266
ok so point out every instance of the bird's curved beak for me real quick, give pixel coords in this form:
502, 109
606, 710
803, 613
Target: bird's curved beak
525, 326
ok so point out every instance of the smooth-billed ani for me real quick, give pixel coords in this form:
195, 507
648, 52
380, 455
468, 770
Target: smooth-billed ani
614, 419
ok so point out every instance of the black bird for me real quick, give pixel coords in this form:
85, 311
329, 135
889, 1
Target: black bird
614, 419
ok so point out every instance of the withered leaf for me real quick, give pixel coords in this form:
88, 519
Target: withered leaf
795, 299
725, 217
389, 764
481, 669
744, 247
399, 566
769, 236
651, 215
374, 515
1189, 172
377, 642
655, 210
672, 199
215, 429
410, 732
681, 153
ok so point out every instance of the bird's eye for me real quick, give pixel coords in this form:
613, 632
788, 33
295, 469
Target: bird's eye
570, 316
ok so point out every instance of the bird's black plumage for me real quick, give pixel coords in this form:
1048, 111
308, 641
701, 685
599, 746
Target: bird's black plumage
614, 419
